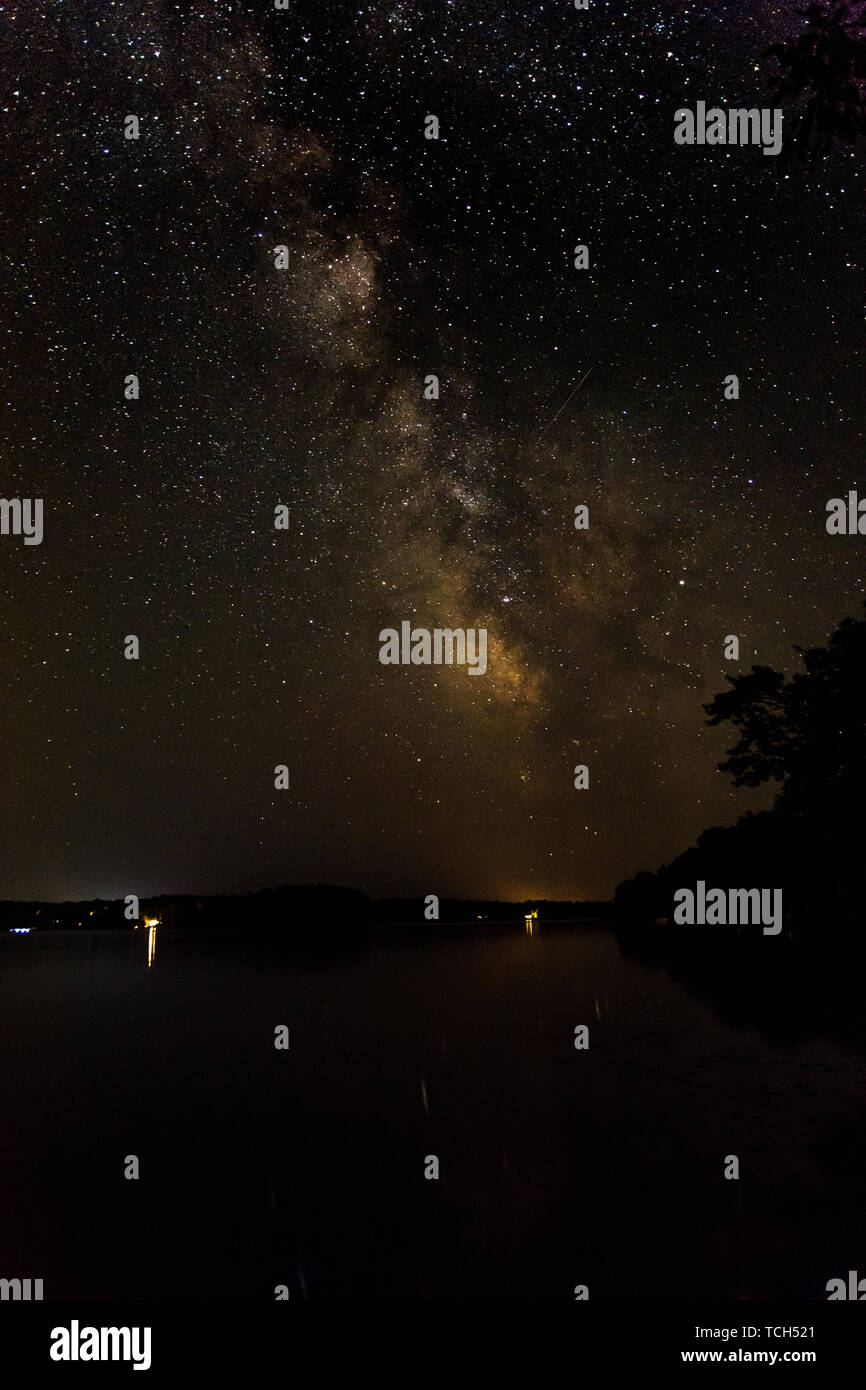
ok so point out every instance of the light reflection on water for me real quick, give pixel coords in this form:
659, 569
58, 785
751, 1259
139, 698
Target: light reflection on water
558, 1166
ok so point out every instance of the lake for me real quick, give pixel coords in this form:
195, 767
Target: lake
305, 1167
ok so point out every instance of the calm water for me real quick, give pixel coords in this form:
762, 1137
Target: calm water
305, 1167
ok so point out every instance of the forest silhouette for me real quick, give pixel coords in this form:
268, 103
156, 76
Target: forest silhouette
807, 735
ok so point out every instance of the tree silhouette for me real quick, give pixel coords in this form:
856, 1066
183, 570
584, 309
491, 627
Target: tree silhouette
826, 64
809, 733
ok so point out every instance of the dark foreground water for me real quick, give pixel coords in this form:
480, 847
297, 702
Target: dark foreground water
558, 1167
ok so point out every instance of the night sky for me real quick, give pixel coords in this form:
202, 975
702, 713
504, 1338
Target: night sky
305, 387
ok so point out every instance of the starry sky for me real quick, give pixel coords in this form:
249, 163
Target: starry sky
304, 387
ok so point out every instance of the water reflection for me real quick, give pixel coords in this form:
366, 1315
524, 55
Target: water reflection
619, 1145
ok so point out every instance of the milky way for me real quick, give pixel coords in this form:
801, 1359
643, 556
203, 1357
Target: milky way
305, 387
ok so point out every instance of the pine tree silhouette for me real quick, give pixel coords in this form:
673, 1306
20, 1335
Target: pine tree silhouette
827, 65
